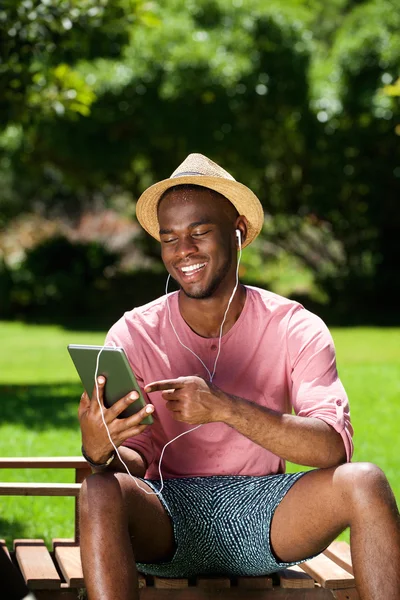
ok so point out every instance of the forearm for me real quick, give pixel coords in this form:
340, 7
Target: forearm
301, 440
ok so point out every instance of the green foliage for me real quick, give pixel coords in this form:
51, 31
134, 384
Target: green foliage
287, 96
38, 35
63, 91
58, 276
73, 283
393, 90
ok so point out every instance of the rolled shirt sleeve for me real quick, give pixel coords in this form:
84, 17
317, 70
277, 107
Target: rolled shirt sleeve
316, 388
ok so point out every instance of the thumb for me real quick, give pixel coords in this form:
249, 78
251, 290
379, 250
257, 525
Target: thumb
84, 404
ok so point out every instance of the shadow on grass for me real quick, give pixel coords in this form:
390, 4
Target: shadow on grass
12, 530
41, 407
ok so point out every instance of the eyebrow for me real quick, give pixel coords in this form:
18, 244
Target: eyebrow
204, 221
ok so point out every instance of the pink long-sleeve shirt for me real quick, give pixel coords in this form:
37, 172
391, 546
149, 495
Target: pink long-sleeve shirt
277, 354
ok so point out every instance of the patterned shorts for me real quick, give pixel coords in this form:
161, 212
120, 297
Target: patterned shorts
221, 524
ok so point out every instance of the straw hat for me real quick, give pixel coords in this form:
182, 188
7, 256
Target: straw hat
199, 170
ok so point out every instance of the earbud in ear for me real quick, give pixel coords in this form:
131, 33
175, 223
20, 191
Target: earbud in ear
238, 235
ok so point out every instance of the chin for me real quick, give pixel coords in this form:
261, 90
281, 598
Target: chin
201, 292
197, 295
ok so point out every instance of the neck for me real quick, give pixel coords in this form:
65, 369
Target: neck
205, 316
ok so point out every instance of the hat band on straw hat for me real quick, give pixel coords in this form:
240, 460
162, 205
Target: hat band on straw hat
185, 173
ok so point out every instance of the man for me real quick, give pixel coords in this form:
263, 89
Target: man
223, 365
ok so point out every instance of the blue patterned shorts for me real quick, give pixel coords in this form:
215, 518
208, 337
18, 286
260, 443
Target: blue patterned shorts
221, 524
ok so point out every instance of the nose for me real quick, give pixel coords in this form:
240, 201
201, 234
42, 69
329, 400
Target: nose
185, 246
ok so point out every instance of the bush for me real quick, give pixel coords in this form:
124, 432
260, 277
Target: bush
75, 284
60, 279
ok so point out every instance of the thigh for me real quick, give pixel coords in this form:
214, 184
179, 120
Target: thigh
311, 515
129, 504
150, 525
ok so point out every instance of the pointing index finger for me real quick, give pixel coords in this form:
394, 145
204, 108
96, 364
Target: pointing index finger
164, 384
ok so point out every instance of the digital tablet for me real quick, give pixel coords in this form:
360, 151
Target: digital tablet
115, 367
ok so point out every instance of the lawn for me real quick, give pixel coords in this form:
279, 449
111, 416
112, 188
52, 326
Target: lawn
40, 390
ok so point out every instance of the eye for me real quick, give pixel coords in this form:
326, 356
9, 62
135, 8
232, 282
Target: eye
168, 240
200, 233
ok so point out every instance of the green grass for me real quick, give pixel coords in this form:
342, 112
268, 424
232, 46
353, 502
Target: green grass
39, 392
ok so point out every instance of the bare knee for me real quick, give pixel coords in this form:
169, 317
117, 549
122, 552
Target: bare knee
363, 484
100, 492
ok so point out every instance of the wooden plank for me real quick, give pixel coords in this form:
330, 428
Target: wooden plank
327, 573
68, 557
56, 595
213, 583
36, 565
295, 577
164, 583
3, 546
39, 489
62, 542
315, 593
254, 583
43, 462
340, 553
234, 593
350, 594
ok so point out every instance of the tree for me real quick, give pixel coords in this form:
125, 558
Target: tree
287, 96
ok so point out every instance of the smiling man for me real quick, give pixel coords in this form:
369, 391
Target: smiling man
240, 380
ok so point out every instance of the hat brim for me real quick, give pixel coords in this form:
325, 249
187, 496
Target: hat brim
243, 199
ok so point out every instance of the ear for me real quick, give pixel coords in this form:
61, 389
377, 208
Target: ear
241, 225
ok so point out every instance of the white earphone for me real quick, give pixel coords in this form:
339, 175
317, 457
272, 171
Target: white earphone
239, 236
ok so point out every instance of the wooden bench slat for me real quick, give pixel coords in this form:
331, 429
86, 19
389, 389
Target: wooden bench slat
165, 583
254, 583
36, 564
68, 558
340, 553
55, 595
350, 594
234, 593
213, 583
43, 462
327, 573
295, 577
39, 489
3, 545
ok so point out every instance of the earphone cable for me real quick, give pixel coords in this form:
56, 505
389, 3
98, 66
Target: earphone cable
211, 377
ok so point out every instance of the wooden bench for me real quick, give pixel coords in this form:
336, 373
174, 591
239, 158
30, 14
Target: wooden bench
57, 574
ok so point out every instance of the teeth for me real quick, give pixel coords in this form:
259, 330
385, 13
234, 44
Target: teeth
193, 267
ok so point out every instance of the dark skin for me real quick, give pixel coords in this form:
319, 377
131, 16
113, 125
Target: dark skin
198, 231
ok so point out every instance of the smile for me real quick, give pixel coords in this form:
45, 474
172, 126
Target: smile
193, 268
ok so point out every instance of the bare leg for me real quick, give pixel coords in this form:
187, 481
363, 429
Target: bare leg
323, 503
118, 523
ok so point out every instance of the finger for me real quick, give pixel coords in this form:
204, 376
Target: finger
116, 409
138, 417
84, 404
98, 392
165, 384
173, 406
